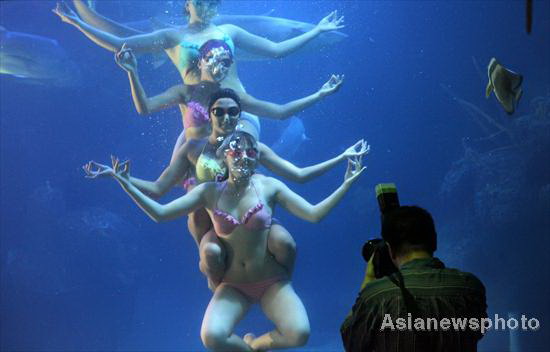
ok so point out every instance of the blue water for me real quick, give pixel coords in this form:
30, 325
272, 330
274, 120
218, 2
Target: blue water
82, 268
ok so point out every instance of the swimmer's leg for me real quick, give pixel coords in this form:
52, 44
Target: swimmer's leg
212, 258
211, 250
226, 308
198, 223
283, 247
285, 309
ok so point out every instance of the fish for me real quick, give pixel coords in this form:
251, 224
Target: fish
34, 59
291, 139
506, 85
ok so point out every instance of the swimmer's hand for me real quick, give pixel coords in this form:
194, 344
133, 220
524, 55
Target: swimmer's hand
331, 23
332, 85
120, 171
96, 170
360, 148
65, 13
354, 170
126, 59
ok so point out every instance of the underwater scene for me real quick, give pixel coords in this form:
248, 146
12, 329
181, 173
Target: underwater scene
200, 175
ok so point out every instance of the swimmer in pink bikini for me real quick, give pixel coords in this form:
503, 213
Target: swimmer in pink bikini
242, 209
196, 162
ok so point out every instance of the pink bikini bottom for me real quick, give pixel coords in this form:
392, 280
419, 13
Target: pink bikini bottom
255, 290
188, 183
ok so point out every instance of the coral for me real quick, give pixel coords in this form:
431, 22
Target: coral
502, 178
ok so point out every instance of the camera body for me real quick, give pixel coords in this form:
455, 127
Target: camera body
386, 195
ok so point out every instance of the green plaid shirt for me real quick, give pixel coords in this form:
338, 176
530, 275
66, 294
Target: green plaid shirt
428, 290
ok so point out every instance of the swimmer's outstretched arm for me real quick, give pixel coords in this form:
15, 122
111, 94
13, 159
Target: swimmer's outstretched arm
126, 59
172, 175
285, 168
281, 112
101, 22
193, 200
149, 42
315, 213
262, 46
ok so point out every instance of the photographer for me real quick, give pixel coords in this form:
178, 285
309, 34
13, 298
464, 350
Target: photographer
421, 288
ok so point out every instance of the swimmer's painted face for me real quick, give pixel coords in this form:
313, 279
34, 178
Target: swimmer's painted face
241, 157
217, 63
225, 114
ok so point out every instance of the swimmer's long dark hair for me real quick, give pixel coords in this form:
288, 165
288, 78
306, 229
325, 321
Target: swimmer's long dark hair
224, 93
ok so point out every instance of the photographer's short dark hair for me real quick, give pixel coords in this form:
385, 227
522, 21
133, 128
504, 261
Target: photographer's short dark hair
409, 228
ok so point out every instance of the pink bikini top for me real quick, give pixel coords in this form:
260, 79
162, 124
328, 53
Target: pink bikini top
195, 115
256, 218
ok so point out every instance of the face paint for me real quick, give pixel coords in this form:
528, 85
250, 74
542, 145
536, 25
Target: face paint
242, 160
217, 62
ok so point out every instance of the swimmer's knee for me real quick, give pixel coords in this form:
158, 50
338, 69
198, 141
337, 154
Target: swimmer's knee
281, 240
214, 338
298, 336
211, 252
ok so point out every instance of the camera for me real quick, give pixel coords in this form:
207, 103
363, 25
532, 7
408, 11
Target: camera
388, 200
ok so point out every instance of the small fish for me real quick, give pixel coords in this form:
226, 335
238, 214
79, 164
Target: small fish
291, 139
506, 84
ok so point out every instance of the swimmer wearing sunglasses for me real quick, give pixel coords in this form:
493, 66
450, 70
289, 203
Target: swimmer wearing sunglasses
197, 162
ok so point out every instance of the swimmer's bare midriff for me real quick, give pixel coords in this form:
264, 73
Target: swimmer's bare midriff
248, 259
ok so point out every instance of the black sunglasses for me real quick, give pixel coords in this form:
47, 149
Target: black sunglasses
232, 111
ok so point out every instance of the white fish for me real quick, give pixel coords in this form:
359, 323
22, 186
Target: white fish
36, 59
291, 139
